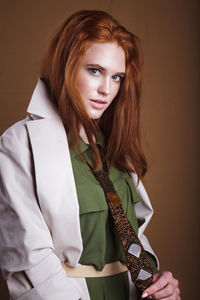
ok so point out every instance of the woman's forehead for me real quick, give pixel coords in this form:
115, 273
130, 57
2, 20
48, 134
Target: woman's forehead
108, 55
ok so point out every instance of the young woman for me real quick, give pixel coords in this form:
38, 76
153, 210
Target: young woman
58, 237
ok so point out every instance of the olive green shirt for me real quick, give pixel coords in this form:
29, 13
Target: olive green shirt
101, 243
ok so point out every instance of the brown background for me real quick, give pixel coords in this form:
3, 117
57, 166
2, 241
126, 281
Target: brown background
170, 34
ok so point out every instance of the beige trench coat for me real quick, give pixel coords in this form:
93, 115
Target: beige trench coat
39, 211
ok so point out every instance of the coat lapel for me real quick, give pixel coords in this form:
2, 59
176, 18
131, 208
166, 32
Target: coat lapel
54, 177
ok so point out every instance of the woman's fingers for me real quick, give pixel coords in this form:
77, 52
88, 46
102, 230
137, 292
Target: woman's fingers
167, 294
164, 286
159, 282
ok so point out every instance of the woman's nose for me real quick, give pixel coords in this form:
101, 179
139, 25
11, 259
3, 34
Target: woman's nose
104, 86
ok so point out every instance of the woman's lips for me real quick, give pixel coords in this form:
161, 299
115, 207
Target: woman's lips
98, 103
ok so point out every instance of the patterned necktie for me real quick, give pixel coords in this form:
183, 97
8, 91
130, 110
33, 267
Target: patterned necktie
138, 263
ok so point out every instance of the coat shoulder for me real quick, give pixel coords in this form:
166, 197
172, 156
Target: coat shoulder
16, 133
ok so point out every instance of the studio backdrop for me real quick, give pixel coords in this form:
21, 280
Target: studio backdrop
169, 31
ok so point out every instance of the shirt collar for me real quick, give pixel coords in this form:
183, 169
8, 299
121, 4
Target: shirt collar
84, 146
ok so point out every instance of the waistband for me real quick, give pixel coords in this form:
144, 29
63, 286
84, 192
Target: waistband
90, 271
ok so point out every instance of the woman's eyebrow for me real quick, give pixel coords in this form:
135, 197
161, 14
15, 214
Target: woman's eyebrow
99, 67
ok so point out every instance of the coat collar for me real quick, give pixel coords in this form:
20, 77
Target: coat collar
40, 104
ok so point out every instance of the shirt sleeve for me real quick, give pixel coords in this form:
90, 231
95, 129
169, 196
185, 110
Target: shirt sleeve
27, 255
153, 262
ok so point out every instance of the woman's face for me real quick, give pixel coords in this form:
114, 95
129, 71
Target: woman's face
102, 68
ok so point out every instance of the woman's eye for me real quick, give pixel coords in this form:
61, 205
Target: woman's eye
117, 77
93, 71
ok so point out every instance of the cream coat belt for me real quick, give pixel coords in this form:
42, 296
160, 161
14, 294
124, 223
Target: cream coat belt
91, 271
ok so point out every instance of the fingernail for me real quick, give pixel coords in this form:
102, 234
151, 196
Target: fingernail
144, 295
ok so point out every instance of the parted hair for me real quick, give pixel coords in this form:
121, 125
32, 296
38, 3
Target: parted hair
120, 121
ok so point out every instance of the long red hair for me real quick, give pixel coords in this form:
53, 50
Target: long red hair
120, 122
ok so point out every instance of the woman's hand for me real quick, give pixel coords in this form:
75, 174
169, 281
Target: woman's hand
164, 286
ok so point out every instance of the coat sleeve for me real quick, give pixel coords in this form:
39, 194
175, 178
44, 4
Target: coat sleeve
27, 256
